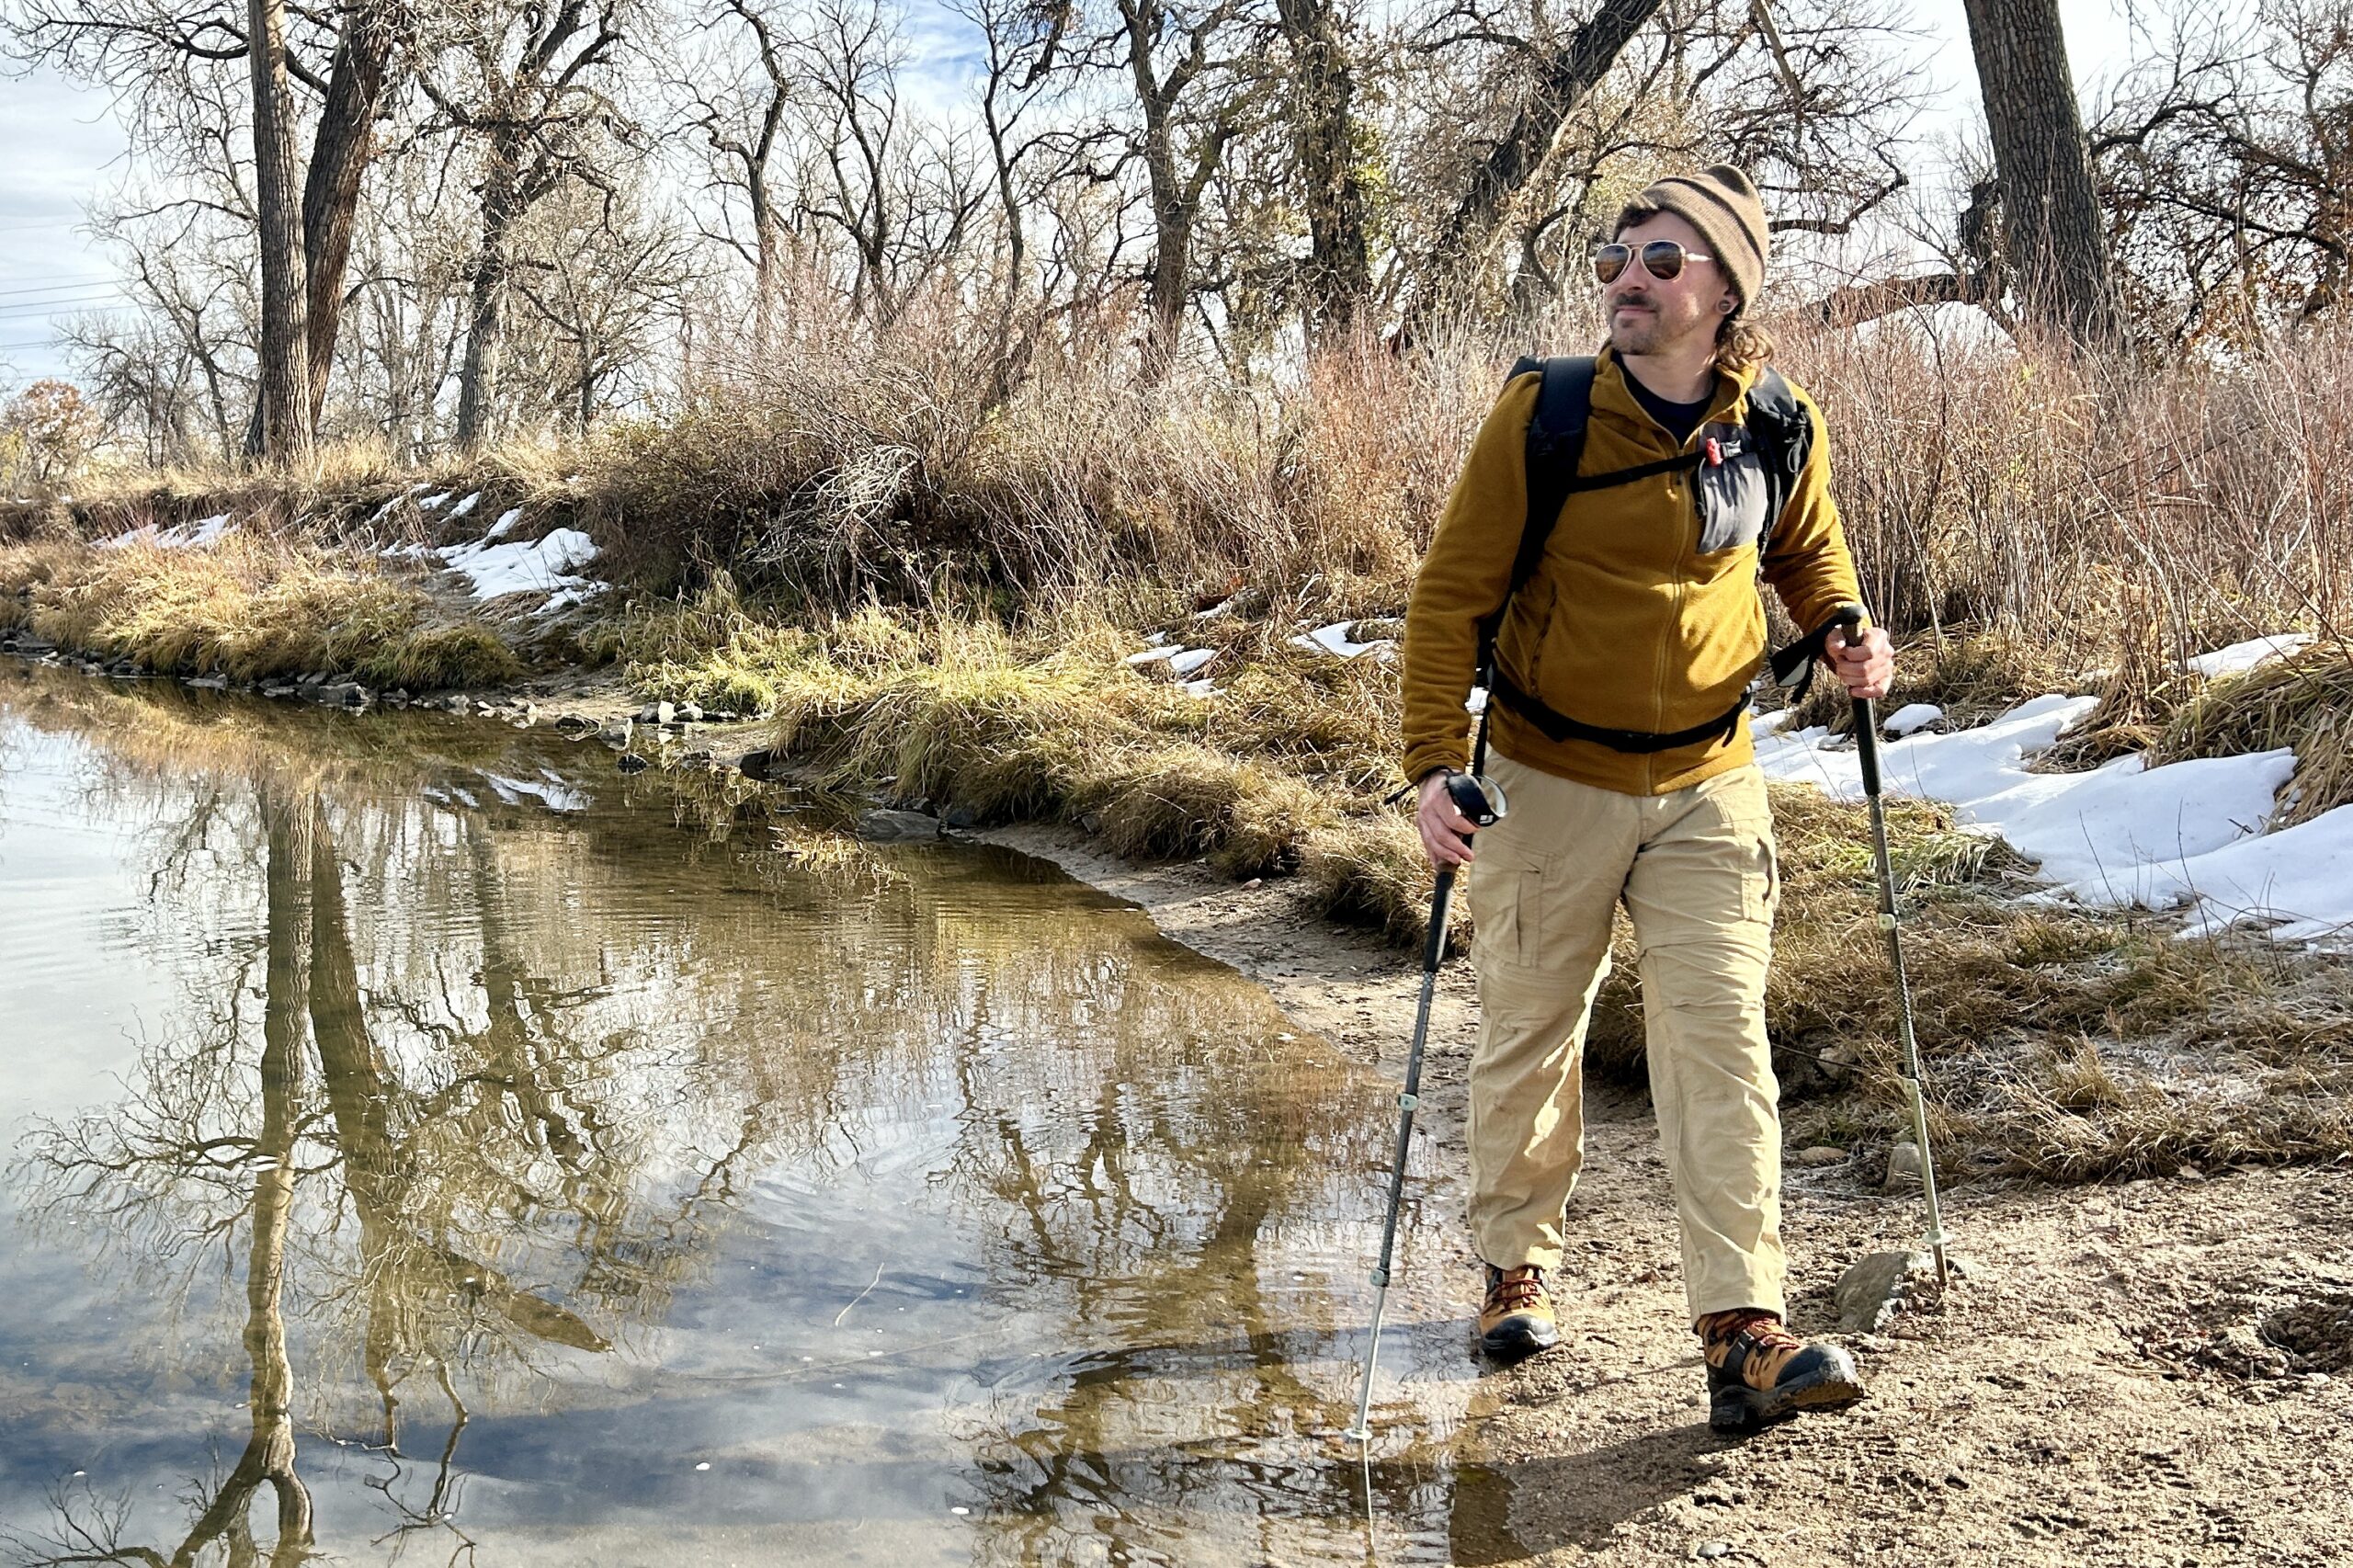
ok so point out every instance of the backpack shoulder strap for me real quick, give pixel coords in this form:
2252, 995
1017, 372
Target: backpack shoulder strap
1555, 446
1784, 435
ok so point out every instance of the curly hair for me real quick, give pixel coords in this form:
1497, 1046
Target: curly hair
1740, 344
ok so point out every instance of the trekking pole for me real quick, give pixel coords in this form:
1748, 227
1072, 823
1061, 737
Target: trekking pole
1472, 799
1853, 621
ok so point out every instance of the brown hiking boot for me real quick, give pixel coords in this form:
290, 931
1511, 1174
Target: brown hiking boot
1758, 1372
1517, 1319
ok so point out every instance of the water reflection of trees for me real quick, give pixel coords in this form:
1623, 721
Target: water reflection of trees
509, 1069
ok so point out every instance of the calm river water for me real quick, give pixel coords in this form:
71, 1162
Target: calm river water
419, 1140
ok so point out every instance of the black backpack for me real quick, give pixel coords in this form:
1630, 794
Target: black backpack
1783, 437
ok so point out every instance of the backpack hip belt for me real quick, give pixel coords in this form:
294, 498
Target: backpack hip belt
1557, 726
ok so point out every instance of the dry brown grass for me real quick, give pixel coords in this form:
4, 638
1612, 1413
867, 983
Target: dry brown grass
248, 608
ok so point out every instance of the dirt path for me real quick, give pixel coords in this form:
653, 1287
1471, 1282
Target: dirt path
2106, 1387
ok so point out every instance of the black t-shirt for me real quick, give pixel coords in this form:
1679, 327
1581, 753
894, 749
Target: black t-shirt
1680, 418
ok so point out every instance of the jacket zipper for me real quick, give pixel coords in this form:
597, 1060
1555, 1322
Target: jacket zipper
1682, 586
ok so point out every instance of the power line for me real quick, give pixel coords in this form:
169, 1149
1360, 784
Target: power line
54, 287
55, 307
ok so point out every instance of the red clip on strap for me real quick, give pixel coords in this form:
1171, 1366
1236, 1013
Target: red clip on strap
1715, 452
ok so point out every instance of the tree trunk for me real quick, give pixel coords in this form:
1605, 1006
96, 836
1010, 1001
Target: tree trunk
284, 371
2052, 234
764, 268
1339, 268
339, 157
485, 316
1566, 78
340, 150
1170, 277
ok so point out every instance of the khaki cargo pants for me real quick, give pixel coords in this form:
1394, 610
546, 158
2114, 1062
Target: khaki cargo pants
1694, 869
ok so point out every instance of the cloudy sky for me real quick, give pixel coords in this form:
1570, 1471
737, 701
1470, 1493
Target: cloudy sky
60, 146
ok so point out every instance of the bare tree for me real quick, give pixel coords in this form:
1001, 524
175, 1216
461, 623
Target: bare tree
899, 194
2223, 160
1192, 73
1562, 124
1331, 180
611, 275
741, 119
527, 83
1565, 72
285, 417
2052, 232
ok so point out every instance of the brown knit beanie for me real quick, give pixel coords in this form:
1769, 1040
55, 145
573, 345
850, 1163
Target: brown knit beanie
1722, 203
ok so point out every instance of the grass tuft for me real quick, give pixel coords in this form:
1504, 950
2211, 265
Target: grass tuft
249, 609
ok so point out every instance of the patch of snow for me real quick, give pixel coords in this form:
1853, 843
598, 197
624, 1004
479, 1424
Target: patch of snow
2301, 875
1192, 659
1203, 687
1156, 640
430, 502
506, 521
524, 566
462, 507
1910, 716
2243, 657
2117, 835
1763, 724
1156, 653
1972, 765
1334, 639
1214, 611
185, 536
570, 596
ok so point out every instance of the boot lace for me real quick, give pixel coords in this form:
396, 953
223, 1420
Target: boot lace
1769, 1343
1515, 1290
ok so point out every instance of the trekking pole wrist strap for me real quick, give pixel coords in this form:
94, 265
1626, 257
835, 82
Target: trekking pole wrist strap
1793, 665
1412, 786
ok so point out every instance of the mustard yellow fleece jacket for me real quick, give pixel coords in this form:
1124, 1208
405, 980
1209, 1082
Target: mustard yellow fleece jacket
1626, 624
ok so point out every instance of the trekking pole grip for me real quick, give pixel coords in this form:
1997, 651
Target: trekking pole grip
1852, 621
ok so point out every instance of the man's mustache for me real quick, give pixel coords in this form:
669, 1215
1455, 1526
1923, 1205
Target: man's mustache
1634, 297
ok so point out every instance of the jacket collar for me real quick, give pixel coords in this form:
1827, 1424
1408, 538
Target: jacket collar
1728, 405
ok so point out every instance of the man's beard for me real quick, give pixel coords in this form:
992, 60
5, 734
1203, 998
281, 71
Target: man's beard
1638, 335
1643, 334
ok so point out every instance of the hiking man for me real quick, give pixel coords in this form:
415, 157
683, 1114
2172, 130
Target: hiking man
1621, 666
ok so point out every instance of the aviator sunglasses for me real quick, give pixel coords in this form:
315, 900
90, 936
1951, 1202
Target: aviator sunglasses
1663, 259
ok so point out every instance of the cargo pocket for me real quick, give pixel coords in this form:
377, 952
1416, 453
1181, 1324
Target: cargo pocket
1760, 876
1732, 495
1507, 907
